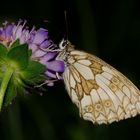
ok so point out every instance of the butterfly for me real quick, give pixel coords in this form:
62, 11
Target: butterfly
102, 93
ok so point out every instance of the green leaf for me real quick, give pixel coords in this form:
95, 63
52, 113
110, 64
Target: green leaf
30, 52
15, 44
10, 93
39, 79
18, 57
33, 70
3, 52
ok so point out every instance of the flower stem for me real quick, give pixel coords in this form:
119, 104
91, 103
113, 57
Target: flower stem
4, 84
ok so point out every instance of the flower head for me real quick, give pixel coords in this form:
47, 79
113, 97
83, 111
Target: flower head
27, 57
43, 49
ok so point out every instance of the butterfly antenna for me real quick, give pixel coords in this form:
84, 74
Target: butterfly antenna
66, 26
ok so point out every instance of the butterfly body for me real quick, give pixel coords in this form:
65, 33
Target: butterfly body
102, 94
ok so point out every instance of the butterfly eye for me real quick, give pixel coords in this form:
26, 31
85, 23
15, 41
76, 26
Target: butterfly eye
63, 44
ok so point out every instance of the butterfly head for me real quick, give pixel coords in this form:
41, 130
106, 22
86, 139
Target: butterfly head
65, 48
65, 45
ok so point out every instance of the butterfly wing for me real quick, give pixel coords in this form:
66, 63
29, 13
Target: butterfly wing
102, 94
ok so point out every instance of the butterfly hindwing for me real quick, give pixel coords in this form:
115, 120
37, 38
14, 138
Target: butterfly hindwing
102, 94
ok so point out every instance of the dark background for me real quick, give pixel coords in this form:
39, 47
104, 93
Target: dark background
108, 29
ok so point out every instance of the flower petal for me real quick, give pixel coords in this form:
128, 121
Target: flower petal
49, 56
56, 65
8, 30
33, 47
39, 53
18, 32
45, 44
50, 74
40, 36
50, 84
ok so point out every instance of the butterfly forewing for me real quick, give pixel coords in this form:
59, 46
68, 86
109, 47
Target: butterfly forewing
101, 93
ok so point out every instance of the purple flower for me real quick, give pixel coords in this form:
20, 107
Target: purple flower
43, 49
6, 34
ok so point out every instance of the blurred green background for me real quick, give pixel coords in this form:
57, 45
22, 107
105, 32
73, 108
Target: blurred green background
106, 28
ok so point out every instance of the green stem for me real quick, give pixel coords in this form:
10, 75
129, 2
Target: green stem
4, 84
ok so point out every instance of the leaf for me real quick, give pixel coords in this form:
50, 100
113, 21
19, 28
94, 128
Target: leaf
33, 70
15, 44
18, 56
3, 52
35, 80
10, 93
30, 52
39, 79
